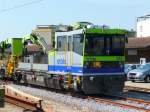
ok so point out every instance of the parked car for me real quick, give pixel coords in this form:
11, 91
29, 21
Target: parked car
141, 73
129, 67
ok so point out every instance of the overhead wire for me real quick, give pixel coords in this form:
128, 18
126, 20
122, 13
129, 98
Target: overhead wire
20, 6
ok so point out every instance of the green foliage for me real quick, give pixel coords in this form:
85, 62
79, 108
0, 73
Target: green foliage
34, 36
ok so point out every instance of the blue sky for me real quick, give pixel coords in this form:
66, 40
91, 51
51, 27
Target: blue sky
115, 13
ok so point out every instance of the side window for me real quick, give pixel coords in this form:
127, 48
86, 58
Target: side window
118, 42
133, 67
62, 43
69, 43
78, 43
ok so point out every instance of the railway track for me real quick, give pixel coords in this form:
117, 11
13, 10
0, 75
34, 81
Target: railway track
137, 104
121, 102
20, 103
27, 102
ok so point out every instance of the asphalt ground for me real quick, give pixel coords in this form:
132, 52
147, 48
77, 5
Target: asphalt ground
11, 108
138, 84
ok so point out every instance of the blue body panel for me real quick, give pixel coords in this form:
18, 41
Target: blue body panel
103, 70
83, 71
70, 69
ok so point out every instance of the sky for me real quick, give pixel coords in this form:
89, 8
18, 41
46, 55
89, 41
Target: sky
17, 19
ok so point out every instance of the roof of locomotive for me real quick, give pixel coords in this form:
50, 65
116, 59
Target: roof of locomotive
79, 31
102, 31
106, 31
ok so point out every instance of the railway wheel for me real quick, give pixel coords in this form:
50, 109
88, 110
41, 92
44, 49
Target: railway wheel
61, 84
2, 73
25, 81
76, 86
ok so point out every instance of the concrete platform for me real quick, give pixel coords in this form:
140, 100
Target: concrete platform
138, 84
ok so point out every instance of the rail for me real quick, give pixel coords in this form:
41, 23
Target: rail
21, 99
113, 102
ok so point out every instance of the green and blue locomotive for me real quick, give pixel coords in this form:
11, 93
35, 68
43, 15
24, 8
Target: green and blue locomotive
89, 60
85, 59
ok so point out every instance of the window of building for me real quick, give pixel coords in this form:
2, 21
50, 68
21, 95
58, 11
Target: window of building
132, 52
141, 28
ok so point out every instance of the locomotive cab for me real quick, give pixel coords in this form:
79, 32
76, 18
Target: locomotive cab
104, 58
89, 60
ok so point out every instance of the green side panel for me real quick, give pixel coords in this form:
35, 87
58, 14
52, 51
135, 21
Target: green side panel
2, 97
106, 31
2, 93
17, 46
2, 103
104, 58
26, 38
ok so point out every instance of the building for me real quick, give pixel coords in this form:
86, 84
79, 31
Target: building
137, 48
46, 34
143, 26
36, 50
131, 33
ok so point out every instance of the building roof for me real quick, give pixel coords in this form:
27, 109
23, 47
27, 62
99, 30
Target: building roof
141, 42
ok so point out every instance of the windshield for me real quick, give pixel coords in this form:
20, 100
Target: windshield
145, 66
126, 66
104, 44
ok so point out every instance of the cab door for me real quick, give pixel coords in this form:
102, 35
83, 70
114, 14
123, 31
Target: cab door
69, 54
107, 45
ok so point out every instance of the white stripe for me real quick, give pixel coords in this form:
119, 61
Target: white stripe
120, 73
64, 73
86, 74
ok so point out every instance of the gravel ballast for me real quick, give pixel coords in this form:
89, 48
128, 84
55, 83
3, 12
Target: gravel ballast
71, 104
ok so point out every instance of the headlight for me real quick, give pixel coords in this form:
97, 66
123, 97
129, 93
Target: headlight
139, 74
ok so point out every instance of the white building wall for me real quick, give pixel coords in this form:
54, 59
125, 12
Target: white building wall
143, 28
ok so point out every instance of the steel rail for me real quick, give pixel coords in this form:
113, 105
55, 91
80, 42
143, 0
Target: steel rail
21, 103
111, 102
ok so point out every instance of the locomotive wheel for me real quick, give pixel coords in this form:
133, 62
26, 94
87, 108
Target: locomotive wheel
61, 85
76, 86
24, 78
